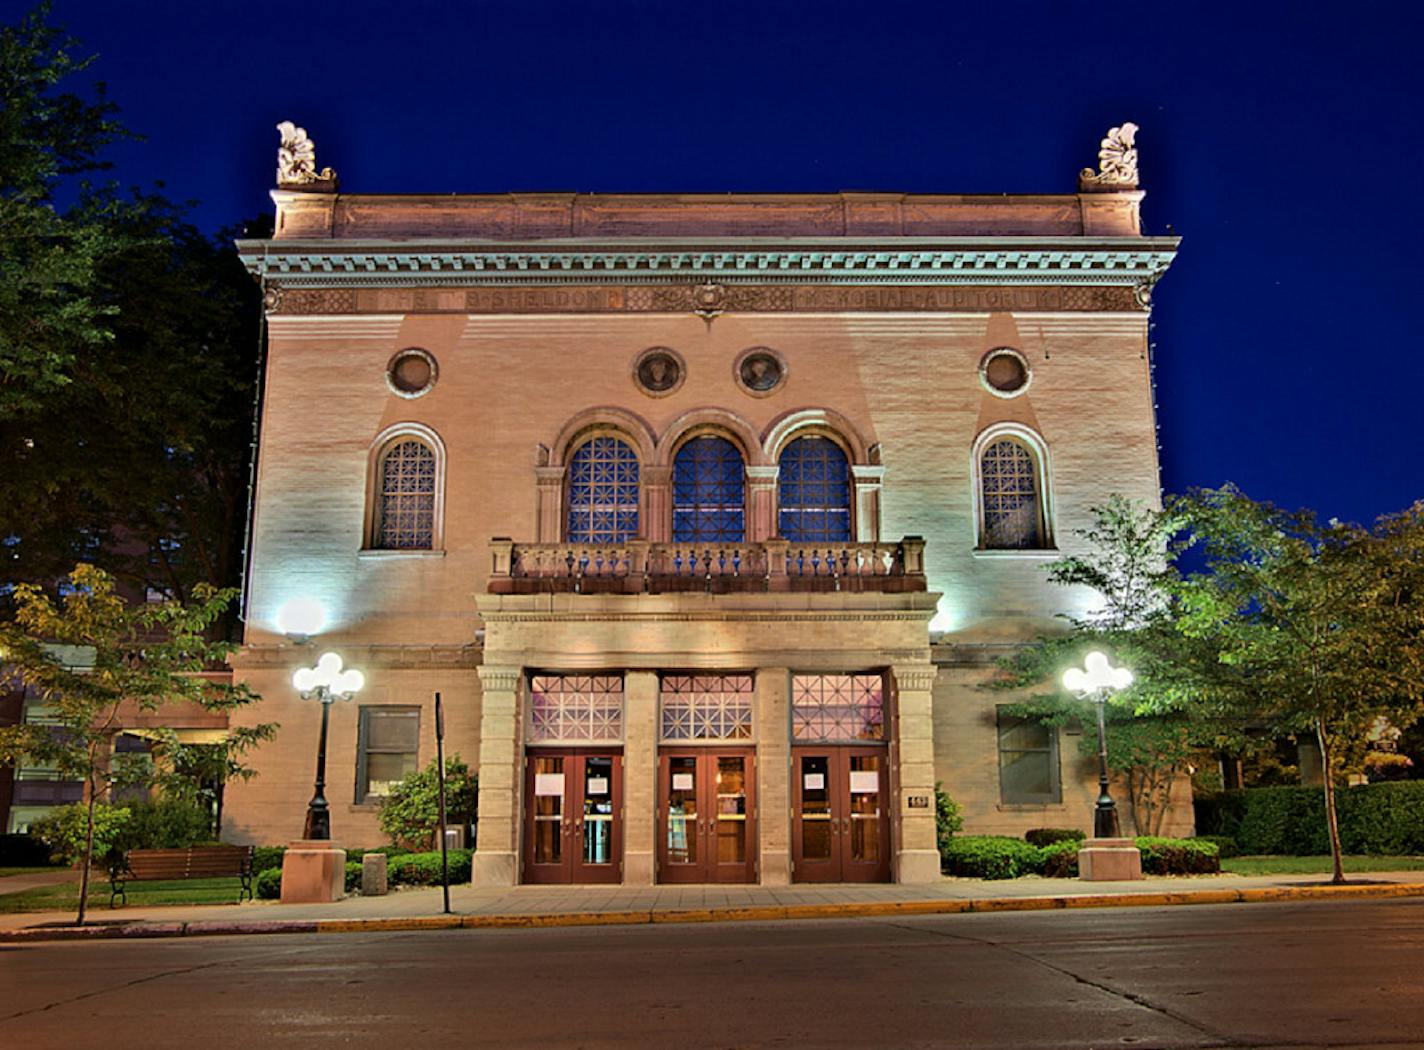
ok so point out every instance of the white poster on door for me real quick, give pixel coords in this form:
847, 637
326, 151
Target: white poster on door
814, 781
682, 781
862, 783
549, 784
596, 786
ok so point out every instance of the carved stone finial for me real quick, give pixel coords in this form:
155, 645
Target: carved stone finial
1117, 162
296, 159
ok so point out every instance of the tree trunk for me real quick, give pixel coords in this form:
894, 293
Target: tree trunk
1331, 819
88, 855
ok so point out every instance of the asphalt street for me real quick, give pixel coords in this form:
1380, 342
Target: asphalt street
1346, 974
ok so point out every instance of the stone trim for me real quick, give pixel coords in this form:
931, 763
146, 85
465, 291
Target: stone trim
395, 657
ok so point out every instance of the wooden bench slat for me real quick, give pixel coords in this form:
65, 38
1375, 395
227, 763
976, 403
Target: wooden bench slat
196, 862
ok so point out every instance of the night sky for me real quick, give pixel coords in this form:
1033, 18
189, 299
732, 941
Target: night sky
1283, 142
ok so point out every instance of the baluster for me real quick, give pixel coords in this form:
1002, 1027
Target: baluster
707, 563
737, 561
815, 562
800, 561
845, 560
721, 563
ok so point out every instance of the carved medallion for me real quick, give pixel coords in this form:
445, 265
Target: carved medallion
760, 370
658, 371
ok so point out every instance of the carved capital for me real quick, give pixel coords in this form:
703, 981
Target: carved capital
499, 679
914, 678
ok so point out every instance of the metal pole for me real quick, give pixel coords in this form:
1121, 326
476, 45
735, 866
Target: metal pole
444, 839
318, 824
1105, 824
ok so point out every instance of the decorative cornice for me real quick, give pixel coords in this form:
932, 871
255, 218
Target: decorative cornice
1123, 261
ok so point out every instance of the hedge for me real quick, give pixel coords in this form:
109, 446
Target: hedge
1048, 836
1381, 819
990, 857
1162, 856
1003, 857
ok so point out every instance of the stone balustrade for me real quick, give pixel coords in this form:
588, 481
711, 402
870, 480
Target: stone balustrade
642, 567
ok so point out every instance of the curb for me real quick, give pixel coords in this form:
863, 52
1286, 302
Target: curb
752, 913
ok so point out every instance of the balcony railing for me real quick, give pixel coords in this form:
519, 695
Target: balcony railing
641, 567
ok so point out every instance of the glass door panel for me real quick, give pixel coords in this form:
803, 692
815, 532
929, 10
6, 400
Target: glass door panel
548, 810
731, 790
598, 815
682, 827
865, 808
817, 823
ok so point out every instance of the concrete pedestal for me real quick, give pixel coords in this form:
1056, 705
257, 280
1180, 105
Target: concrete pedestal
313, 872
1109, 860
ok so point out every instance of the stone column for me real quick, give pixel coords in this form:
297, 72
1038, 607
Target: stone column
497, 848
640, 774
868, 481
549, 481
773, 770
761, 501
912, 760
657, 504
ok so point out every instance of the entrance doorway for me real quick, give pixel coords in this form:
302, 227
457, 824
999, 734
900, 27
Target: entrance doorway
840, 819
573, 805
707, 815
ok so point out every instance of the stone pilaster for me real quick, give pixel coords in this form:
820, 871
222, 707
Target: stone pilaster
657, 504
868, 481
497, 848
773, 731
916, 854
640, 772
549, 482
761, 502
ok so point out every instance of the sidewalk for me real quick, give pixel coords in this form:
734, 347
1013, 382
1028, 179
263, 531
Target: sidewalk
623, 905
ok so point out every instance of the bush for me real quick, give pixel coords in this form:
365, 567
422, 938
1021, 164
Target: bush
948, 819
990, 857
1381, 819
1163, 856
410, 814
1059, 860
1051, 836
166, 824
423, 869
1225, 845
266, 858
269, 883
22, 851
353, 876
63, 830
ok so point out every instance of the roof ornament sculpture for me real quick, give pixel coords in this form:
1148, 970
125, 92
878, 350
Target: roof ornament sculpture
296, 159
1117, 162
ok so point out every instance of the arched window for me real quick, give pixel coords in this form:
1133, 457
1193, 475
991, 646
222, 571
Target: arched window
813, 492
708, 492
405, 497
1011, 504
603, 492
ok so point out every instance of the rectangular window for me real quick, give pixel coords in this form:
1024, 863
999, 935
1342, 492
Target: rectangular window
837, 708
386, 750
575, 708
1028, 761
706, 707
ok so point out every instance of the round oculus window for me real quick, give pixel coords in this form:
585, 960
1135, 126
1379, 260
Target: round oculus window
411, 373
1004, 372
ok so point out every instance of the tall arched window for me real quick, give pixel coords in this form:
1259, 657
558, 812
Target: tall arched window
708, 492
603, 492
813, 492
1010, 502
405, 497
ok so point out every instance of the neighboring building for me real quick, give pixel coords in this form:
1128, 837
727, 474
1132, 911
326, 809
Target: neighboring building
707, 515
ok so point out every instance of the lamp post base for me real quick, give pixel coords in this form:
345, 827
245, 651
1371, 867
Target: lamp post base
313, 872
1109, 860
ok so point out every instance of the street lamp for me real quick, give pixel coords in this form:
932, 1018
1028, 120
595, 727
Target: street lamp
325, 683
1096, 681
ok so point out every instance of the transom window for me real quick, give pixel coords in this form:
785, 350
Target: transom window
575, 709
813, 491
603, 492
706, 707
837, 707
1008, 487
406, 507
708, 492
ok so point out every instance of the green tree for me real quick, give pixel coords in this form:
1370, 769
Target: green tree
90, 659
1320, 626
410, 814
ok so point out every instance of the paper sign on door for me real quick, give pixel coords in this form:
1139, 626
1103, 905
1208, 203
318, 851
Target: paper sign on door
682, 781
814, 781
548, 783
864, 783
596, 786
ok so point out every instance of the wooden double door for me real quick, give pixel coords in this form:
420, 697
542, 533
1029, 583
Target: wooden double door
840, 830
573, 815
706, 824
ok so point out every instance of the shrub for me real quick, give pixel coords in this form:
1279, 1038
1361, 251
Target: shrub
1163, 856
410, 814
353, 876
1225, 845
990, 857
266, 858
63, 830
948, 819
22, 851
167, 823
1059, 860
269, 883
1051, 836
1381, 819
423, 869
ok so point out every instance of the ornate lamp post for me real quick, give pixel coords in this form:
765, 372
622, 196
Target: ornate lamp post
1096, 681
325, 683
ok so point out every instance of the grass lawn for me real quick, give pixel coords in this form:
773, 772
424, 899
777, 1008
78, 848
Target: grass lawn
1315, 865
4, 872
180, 891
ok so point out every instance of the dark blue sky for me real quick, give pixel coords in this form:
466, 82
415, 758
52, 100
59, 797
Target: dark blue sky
1283, 142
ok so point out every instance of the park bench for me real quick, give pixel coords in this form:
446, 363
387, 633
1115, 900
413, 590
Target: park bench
195, 862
